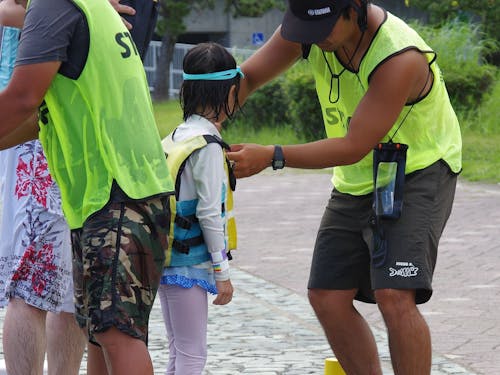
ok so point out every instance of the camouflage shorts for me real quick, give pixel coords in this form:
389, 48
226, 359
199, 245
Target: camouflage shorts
118, 257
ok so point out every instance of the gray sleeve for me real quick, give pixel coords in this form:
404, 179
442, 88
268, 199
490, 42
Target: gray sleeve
48, 29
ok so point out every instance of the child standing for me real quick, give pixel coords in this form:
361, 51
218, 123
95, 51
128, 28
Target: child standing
204, 230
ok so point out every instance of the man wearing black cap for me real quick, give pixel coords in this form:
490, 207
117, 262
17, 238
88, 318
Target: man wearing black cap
394, 142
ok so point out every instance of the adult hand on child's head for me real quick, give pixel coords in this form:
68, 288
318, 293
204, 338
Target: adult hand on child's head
224, 292
123, 9
249, 158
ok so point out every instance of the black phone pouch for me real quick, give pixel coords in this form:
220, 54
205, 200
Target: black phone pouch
389, 162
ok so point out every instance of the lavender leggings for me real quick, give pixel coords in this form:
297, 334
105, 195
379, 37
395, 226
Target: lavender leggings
185, 312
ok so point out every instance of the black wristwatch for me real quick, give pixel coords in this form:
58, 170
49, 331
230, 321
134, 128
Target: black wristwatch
278, 161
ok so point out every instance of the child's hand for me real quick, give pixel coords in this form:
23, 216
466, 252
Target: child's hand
225, 292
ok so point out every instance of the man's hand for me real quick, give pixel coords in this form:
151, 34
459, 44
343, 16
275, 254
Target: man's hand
224, 292
20, 100
25, 132
123, 9
249, 158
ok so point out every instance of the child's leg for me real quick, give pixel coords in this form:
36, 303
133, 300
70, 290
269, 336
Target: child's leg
162, 294
185, 314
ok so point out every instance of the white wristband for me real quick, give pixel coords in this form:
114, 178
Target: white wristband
221, 266
219, 256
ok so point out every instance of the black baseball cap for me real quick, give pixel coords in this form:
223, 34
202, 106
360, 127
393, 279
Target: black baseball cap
311, 21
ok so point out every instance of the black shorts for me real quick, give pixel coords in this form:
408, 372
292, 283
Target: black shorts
342, 256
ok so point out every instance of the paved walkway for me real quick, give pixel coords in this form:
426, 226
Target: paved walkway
269, 327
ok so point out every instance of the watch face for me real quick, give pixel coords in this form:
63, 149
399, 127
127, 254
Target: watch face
278, 161
278, 164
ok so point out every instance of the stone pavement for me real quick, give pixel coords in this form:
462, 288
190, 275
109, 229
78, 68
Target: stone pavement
269, 327
279, 216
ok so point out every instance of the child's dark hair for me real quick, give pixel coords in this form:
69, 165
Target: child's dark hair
202, 97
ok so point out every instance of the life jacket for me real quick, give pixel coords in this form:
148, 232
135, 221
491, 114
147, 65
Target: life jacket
186, 245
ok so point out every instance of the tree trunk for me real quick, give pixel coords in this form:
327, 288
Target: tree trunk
162, 84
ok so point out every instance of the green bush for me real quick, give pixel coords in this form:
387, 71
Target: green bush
483, 12
460, 49
466, 90
483, 119
304, 109
289, 101
266, 107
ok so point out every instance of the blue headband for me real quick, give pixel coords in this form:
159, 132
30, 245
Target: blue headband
215, 76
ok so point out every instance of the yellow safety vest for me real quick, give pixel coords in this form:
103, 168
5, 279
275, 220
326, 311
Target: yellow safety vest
186, 244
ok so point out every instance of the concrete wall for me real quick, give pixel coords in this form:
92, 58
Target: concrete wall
241, 32
208, 20
250, 32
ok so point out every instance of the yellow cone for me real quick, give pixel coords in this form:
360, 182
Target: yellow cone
333, 367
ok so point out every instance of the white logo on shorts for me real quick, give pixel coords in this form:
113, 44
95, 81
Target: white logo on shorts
406, 269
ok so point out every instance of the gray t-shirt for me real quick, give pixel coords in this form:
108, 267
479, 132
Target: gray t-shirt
54, 30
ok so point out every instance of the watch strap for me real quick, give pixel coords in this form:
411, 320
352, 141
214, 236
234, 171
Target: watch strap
278, 161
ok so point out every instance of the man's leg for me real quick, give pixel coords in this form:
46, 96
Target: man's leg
347, 332
409, 336
96, 361
124, 354
65, 344
24, 338
118, 253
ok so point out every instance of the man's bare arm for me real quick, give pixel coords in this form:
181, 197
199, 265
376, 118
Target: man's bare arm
11, 14
25, 132
21, 99
396, 82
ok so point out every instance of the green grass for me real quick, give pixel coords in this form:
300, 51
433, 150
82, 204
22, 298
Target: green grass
267, 136
481, 157
168, 115
481, 153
